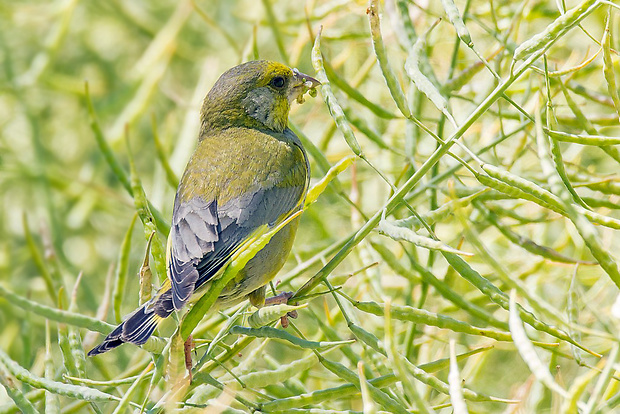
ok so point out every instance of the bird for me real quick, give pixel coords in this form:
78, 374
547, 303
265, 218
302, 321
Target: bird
248, 171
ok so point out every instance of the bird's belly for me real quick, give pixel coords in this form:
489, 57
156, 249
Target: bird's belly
262, 268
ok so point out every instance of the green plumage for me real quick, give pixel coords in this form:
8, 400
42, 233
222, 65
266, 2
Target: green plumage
248, 170
228, 163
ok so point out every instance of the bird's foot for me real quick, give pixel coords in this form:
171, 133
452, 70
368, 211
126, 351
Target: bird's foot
280, 299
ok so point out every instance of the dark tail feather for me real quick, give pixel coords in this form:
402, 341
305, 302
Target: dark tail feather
139, 326
110, 342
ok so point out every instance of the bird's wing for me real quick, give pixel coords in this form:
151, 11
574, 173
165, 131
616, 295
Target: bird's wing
206, 232
193, 234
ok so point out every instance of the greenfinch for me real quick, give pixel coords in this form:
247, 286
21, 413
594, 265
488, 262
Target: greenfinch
248, 170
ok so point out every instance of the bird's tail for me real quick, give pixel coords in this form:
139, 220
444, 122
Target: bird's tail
139, 326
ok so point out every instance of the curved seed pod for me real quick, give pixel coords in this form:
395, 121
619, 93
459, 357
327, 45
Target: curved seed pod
442, 288
521, 188
608, 65
403, 233
144, 210
68, 390
52, 403
379, 396
123, 405
274, 333
583, 139
154, 344
328, 95
23, 404
439, 214
423, 83
377, 42
527, 244
421, 316
526, 349
524, 185
398, 366
318, 188
261, 379
420, 373
462, 78
367, 337
459, 25
354, 94
454, 380
268, 314
120, 277
561, 25
499, 297
557, 169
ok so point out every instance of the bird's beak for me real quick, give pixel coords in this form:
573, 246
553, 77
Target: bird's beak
301, 84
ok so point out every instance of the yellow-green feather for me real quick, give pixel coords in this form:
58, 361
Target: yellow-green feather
252, 159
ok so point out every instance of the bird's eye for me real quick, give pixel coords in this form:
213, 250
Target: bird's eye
278, 82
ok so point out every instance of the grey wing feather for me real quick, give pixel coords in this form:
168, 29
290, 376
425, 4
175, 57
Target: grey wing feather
194, 233
190, 239
240, 217
200, 228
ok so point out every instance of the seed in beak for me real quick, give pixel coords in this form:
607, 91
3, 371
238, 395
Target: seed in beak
304, 83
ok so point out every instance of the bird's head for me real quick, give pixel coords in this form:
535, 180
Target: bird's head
256, 94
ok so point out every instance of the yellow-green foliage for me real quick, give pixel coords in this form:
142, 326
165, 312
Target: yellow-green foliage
461, 255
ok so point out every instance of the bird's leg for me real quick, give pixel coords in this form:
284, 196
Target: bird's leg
187, 347
279, 299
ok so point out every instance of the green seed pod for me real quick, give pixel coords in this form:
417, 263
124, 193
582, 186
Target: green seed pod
421, 81
455, 18
561, 25
269, 332
596, 140
608, 65
268, 314
120, 277
328, 95
368, 338
402, 233
379, 396
377, 42
68, 390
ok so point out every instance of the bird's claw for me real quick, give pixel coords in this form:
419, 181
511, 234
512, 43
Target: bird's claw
280, 299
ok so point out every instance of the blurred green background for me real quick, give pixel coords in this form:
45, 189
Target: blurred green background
148, 66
